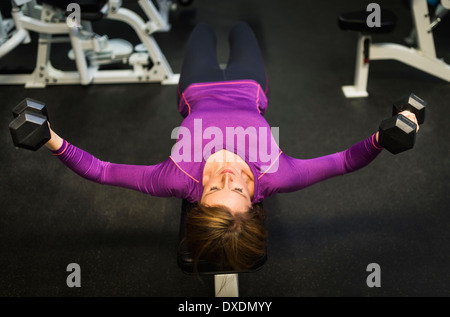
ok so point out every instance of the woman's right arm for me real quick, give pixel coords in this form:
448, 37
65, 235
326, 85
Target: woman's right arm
159, 180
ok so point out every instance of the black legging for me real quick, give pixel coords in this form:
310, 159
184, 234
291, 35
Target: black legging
200, 60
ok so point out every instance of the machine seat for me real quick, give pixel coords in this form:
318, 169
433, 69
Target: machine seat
90, 9
357, 21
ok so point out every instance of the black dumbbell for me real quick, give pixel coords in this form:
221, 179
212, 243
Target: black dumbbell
30, 129
398, 134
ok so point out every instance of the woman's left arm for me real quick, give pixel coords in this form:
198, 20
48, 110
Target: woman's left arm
309, 172
295, 174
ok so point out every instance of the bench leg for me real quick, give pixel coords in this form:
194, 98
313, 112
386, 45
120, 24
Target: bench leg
226, 285
359, 88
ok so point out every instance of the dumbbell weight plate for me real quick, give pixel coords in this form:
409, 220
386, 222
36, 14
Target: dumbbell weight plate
397, 134
30, 105
413, 104
30, 130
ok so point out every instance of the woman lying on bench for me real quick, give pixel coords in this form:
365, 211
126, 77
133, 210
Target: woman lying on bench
234, 165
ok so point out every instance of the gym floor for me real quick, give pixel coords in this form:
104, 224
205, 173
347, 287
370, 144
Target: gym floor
395, 212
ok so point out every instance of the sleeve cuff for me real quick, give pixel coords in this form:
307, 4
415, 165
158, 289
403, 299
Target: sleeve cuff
375, 143
62, 149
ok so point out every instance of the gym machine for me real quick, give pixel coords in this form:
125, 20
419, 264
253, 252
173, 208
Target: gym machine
423, 57
145, 62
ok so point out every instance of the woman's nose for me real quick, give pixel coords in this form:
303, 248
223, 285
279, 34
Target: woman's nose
226, 179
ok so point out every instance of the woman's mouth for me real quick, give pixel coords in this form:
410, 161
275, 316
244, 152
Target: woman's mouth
227, 171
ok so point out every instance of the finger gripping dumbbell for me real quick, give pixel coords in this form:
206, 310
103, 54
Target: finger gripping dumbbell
398, 134
30, 129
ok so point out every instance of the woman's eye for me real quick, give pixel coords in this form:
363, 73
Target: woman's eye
236, 189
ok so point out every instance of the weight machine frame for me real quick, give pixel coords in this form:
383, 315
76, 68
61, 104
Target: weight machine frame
28, 16
423, 57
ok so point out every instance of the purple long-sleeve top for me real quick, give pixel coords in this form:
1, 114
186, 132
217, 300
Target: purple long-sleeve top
221, 115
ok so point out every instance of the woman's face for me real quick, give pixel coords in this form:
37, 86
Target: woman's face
228, 186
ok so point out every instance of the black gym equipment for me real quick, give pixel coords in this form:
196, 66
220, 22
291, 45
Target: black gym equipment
413, 104
30, 128
398, 134
357, 21
185, 3
375, 20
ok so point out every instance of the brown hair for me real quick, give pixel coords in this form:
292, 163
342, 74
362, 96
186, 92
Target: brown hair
215, 235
